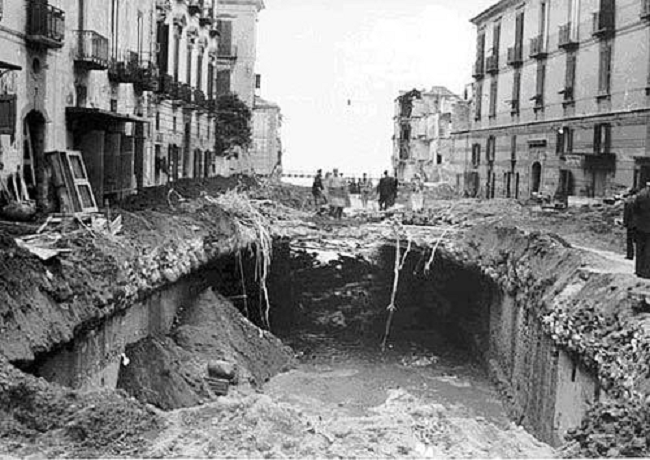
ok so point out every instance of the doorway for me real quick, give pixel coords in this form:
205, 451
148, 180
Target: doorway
34, 170
536, 177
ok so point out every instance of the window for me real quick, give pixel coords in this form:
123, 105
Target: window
174, 126
493, 97
490, 150
513, 150
177, 53
605, 69
570, 77
199, 70
476, 155
8, 112
540, 86
223, 82
478, 104
544, 11
602, 138
496, 39
162, 38
188, 68
516, 92
157, 121
480, 53
519, 33
210, 81
564, 142
225, 37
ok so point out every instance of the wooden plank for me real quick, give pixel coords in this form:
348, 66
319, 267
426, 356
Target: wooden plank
80, 182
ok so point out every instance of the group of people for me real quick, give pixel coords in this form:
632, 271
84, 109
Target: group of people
636, 219
333, 190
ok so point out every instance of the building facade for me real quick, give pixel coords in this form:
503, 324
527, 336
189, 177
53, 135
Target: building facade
183, 107
561, 100
423, 124
266, 151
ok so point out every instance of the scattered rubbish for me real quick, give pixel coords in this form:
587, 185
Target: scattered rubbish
222, 370
423, 361
219, 387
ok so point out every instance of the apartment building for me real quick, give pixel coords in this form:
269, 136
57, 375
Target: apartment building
61, 88
266, 151
423, 125
561, 99
183, 106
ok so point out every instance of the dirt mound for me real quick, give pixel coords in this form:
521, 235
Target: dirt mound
39, 417
157, 197
169, 372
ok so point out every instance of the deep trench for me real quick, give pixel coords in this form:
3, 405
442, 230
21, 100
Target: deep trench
339, 304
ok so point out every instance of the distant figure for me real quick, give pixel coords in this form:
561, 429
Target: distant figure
417, 194
387, 189
366, 188
641, 217
317, 189
628, 223
338, 195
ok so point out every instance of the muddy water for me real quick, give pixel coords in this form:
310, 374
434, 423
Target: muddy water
422, 397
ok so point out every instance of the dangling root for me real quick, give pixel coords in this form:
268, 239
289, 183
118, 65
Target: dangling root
399, 265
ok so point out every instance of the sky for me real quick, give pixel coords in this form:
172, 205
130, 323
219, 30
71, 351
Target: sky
335, 68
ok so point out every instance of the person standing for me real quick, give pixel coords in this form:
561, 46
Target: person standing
317, 189
628, 223
393, 185
383, 188
641, 217
365, 188
417, 194
338, 193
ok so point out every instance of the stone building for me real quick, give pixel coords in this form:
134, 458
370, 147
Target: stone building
76, 76
560, 99
266, 152
422, 141
184, 104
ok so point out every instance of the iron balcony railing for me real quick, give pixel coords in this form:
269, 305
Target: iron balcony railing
645, 9
566, 37
227, 52
515, 55
92, 51
603, 25
537, 47
479, 68
492, 64
45, 24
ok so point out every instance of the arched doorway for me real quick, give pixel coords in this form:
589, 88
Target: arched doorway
535, 177
34, 155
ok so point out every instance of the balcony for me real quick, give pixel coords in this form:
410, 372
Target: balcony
538, 48
147, 78
185, 93
567, 96
567, 39
195, 7
124, 68
479, 69
164, 84
199, 98
92, 51
515, 55
207, 18
492, 64
603, 25
45, 25
227, 53
645, 9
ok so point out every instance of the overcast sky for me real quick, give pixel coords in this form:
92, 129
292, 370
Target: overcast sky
315, 55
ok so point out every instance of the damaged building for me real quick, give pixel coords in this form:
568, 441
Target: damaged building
560, 104
422, 141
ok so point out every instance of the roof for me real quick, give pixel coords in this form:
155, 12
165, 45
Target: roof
441, 91
9, 66
494, 10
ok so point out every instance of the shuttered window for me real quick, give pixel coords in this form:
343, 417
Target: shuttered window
163, 47
605, 69
513, 150
225, 37
570, 76
478, 103
8, 114
541, 84
199, 70
516, 91
519, 33
480, 49
476, 155
493, 97
564, 141
496, 39
210, 81
490, 152
602, 138
607, 15
223, 82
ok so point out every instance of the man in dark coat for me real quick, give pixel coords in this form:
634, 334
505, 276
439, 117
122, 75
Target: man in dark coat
628, 223
641, 216
383, 188
317, 189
